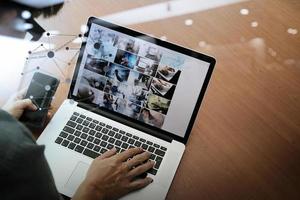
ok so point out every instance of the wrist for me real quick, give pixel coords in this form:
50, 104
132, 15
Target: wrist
88, 191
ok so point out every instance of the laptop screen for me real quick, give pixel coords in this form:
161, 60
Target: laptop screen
139, 79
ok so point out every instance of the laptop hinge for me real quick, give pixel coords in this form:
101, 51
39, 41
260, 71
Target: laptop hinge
126, 122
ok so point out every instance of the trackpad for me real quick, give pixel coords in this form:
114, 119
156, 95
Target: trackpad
77, 176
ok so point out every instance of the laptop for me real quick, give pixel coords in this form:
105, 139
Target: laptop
113, 104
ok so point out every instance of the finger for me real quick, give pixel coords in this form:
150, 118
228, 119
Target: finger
50, 112
27, 104
141, 169
108, 153
21, 93
49, 116
140, 183
138, 159
129, 153
51, 108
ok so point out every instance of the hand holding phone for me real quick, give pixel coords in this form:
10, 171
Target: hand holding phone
41, 91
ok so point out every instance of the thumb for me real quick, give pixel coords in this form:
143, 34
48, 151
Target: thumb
26, 104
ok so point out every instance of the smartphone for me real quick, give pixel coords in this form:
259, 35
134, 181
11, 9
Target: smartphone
41, 91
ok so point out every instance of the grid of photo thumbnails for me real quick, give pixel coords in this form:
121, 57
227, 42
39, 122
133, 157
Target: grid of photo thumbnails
125, 75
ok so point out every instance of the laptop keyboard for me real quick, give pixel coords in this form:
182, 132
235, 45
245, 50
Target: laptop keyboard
92, 138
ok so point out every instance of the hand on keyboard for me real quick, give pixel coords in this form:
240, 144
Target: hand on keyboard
93, 138
112, 175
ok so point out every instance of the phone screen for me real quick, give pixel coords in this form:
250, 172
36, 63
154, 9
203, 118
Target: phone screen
41, 91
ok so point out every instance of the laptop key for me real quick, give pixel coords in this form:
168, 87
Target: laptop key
71, 123
71, 145
69, 129
104, 130
79, 120
101, 124
157, 162
124, 145
110, 146
95, 121
118, 136
152, 171
98, 135
76, 113
90, 153
122, 132
163, 148
58, 140
77, 140
142, 140
97, 148
124, 139
156, 145
92, 125
98, 128
92, 132
79, 148
77, 133
79, 127
103, 144
115, 129
137, 143
96, 141
108, 126
131, 141
135, 137
63, 134
90, 145
89, 119
86, 123
86, 130
128, 134
90, 138
149, 142
83, 136
111, 133
111, 140
151, 149
82, 116
103, 150
83, 143
152, 157
118, 143
73, 118
144, 146
65, 143
118, 149
71, 137
105, 137
159, 152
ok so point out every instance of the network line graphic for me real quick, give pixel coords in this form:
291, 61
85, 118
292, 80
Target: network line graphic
52, 58
55, 55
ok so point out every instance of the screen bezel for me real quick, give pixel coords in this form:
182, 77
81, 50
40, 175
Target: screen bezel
125, 119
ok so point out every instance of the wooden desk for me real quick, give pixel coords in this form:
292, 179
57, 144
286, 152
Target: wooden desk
245, 143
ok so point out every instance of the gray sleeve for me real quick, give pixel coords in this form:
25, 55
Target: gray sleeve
24, 171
